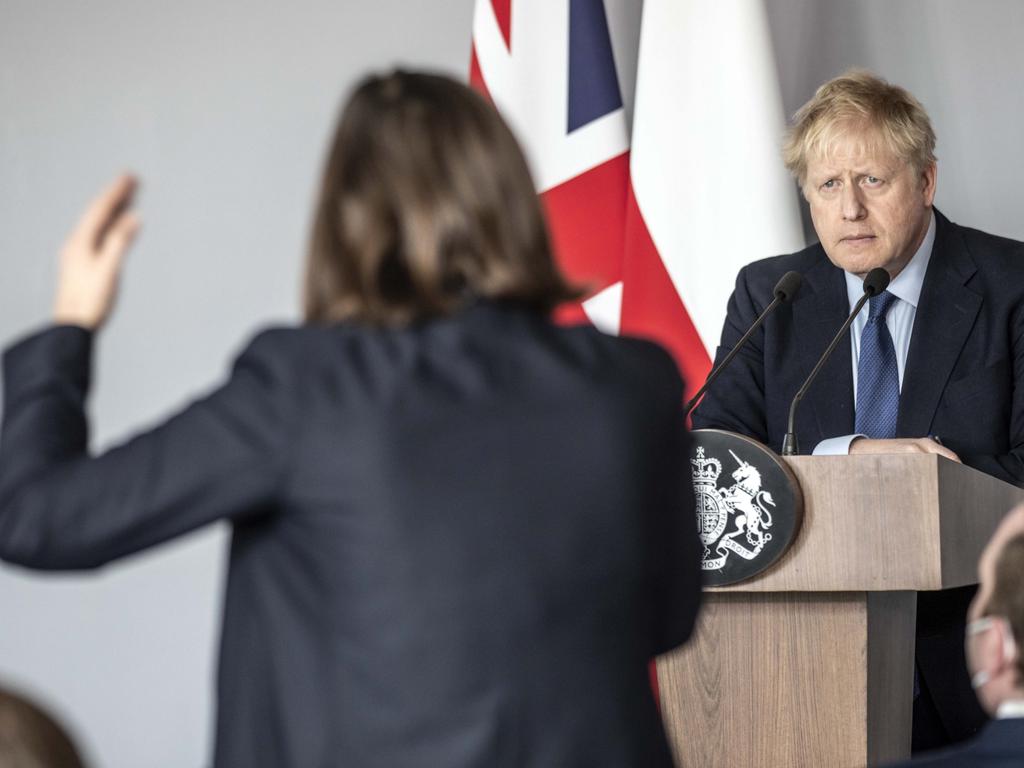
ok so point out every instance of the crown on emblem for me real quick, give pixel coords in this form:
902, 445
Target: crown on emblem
705, 470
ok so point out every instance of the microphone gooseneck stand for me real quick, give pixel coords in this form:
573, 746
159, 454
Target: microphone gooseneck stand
876, 281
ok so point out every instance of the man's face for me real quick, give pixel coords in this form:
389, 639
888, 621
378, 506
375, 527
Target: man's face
869, 208
1010, 526
985, 649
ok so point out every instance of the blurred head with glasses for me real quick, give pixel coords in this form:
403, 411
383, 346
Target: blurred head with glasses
996, 620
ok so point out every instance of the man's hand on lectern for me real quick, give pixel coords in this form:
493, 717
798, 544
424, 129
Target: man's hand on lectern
862, 445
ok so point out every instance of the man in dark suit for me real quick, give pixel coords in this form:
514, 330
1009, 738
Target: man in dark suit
935, 364
994, 655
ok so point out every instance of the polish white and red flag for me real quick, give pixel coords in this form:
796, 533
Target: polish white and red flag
658, 213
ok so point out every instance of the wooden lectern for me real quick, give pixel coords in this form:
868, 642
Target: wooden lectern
810, 663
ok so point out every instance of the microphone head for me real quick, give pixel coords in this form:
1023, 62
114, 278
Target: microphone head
788, 285
876, 281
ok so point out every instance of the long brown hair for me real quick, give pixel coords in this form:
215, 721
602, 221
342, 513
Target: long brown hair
426, 204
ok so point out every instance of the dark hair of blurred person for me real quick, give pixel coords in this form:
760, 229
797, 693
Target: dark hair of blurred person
31, 738
460, 531
426, 203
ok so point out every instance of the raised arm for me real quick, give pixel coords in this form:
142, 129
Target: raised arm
223, 456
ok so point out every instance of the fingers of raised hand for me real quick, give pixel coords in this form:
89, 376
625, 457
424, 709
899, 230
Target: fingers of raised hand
92, 256
118, 238
104, 212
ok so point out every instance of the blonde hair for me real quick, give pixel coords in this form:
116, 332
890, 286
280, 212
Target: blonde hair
860, 100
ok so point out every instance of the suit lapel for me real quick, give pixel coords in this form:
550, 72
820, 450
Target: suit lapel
817, 315
945, 315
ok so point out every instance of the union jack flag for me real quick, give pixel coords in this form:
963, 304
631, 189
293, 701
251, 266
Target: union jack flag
656, 216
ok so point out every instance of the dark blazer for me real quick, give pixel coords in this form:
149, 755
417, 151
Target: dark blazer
999, 745
964, 381
456, 544
964, 378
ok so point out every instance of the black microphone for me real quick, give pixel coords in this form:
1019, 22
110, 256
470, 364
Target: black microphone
876, 281
784, 291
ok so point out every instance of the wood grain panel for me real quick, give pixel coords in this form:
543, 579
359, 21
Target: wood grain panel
771, 680
970, 512
890, 682
811, 662
889, 522
785, 680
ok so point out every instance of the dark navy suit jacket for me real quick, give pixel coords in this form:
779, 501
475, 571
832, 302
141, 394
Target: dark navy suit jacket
963, 381
456, 544
999, 745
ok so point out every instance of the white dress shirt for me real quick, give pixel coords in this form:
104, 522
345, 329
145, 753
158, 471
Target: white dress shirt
900, 321
1011, 708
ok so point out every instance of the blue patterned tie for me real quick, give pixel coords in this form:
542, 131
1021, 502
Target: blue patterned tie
878, 381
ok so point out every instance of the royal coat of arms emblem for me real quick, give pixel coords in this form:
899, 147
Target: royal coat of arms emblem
733, 519
748, 503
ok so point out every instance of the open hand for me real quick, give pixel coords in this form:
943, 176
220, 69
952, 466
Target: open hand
90, 261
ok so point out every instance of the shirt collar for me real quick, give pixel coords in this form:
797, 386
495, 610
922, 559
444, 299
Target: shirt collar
1010, 708
908, 283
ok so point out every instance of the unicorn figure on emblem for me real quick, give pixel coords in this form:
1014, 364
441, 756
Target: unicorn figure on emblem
725, 515
747, 501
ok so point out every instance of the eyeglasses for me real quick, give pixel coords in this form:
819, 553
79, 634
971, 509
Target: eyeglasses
983, 624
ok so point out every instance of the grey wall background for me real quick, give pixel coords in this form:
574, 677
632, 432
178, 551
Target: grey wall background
963, 60
223, 109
